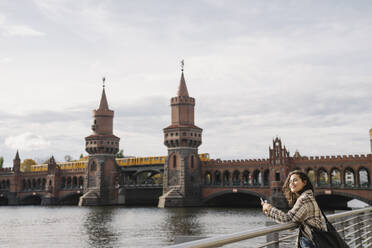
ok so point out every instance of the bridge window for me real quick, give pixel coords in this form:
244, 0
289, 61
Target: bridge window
277, 176
93, 166
335, 177
246, 178
43, 183
226, 178
257, 180
81, 182
174, 161
217, 178
208, 178
74, 182
236, 178
68, 182
363, 177
311, 175
63, 182
349, 178
323, 177
266, 177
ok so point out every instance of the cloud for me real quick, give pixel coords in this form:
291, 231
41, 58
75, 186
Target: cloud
9, 29
27, 141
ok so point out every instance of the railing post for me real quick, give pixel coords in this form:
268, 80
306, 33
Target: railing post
369, 227
272, 236
359, 231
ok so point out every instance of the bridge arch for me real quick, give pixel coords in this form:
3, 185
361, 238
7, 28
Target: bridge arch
70, 198
338, 200
149, 177
3, 200
33, 199
241, 198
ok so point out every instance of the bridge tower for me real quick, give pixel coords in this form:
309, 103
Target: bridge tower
279, 169
102, 170
182, 174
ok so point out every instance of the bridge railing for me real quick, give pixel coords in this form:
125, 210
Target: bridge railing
354, 226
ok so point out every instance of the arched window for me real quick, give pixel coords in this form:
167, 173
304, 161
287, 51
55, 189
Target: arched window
236, 178
245, 177
266, 177
257, 180
81, 182
68, 182
323, 178
226, 178
192, 162
217, 178
43, 183
174, 161
349, 178
363, 177
335, 177
63, 183
74, 182
208, 178
311, 175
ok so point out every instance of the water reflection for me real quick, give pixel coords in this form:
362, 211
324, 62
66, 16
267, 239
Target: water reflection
182, 222
98, 224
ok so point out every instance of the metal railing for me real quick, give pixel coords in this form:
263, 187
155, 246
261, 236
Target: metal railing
354, 226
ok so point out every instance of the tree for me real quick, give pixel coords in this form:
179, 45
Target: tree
81, 156
120, 154
26, 164
1, 162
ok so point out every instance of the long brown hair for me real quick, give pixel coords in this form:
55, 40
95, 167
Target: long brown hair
292, 197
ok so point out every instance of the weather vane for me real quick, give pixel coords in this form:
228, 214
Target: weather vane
103, 80
182, 64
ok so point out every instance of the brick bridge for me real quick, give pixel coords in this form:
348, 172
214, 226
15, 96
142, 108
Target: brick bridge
183, 177
336, 179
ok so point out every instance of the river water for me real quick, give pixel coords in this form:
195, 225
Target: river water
37, 226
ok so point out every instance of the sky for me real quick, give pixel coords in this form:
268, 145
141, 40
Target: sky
298, 70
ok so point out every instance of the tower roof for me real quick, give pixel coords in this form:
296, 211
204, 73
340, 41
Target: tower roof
103, 103
17, 156
182, 89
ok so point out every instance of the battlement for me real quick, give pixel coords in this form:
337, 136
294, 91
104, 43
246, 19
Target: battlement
335, 157
7, 169
182, 99
241, 162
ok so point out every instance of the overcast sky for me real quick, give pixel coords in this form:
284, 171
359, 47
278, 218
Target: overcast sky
300, 70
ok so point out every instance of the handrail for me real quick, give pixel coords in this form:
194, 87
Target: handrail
253, 233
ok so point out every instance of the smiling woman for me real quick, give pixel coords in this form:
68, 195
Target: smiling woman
305, 211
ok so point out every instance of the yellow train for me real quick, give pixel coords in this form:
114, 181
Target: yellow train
151, 160
81, 164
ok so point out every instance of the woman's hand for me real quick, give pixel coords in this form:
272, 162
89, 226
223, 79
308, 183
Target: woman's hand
265, 207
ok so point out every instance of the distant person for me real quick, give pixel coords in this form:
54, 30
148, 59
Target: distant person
305, 211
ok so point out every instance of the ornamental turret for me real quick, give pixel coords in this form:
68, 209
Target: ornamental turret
102, 141
182, 173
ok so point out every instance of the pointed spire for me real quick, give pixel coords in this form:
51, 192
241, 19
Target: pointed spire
103, 103
182, 89
17, 156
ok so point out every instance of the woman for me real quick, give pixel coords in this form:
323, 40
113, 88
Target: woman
299, 192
